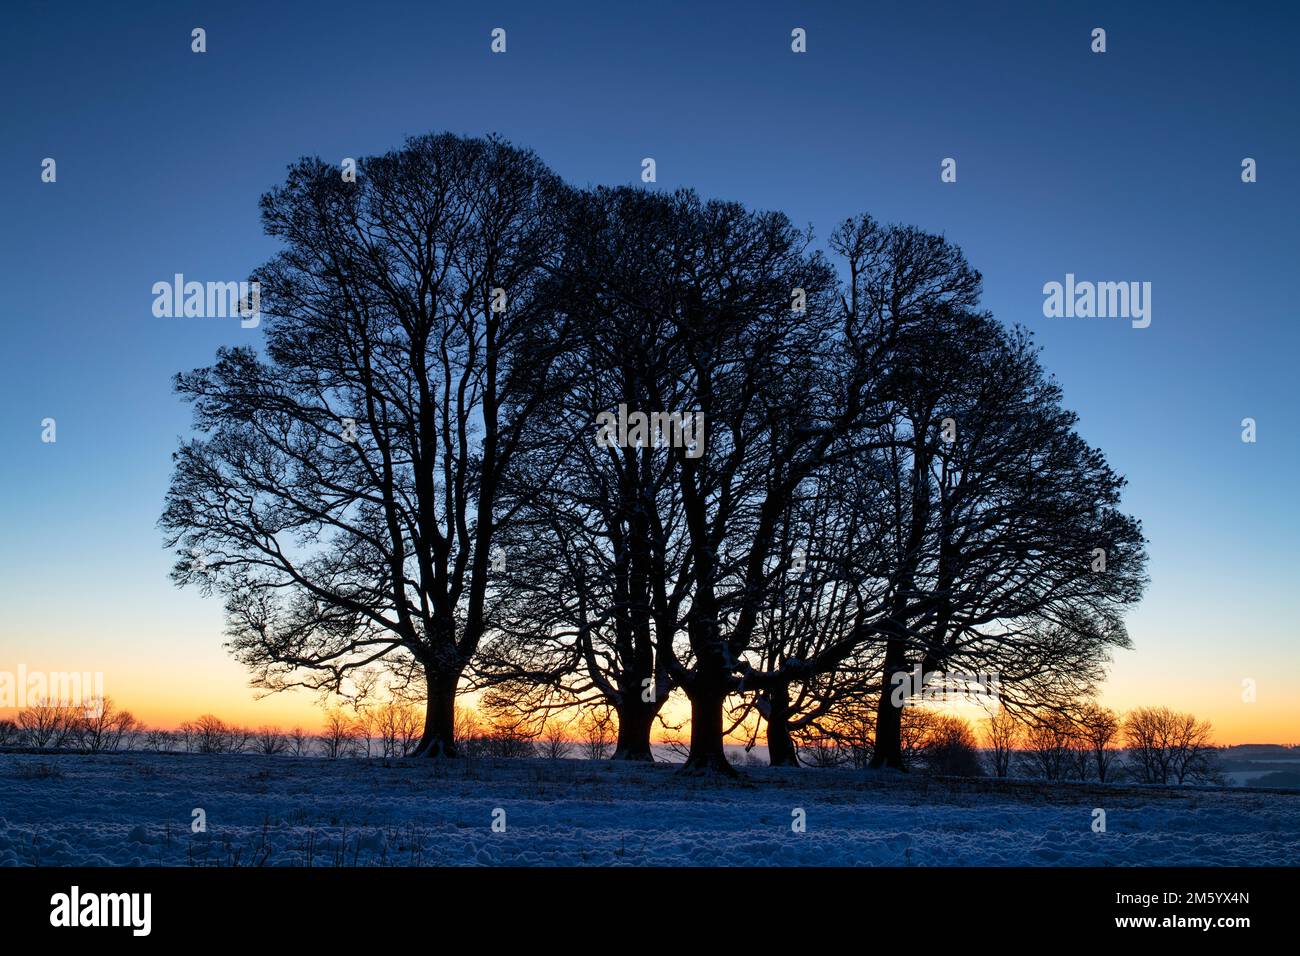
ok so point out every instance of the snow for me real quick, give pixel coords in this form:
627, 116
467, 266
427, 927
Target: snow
136, 809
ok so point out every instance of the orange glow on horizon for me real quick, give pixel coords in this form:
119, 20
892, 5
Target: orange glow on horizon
167, 707
165, 684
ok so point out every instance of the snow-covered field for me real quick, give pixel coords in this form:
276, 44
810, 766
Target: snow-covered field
136, 809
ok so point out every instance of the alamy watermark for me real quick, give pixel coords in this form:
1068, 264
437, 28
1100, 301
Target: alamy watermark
625, 429
23, 688
1100, 300
75, 908
913, 689
208, 300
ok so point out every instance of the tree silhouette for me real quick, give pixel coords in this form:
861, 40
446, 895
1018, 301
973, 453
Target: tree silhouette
602, 578
342, 496
885, 483
1002, 510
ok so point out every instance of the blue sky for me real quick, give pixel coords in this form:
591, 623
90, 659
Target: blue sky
1122, 166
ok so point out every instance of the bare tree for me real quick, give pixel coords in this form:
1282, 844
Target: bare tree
976, 512
271, 740
102, 727
238, 739
299, 743
469, 729
1049, 744
916, 725
210, 735
1192, 749
597, 731
808, 659
822, 750
409, 730
664, 547
338, 736
1002, 511
124, 731
344, 487
850, 724
46, 724
363, 731
597, 559
777, 395
160, 741
396, 726
555, 742
1164, 745
1002, 733
1098, 731
951, 748
507, 739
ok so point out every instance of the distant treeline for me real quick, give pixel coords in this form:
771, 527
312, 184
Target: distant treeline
1153, 745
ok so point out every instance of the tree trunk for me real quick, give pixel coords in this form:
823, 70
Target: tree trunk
781, 750
439, 737
707, 752
888, 749
635, 720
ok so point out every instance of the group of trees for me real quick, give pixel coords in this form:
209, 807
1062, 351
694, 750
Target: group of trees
1168, 747
1153, 745
410, 477
1087, 742
97, 726
387, 731
1149, 745
930, 740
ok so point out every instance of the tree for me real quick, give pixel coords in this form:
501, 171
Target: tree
951, 748
857, 734
555, 744
48, 724
1049, 744
847, 728
237, 740
210, 735
398, 728
363, 730
916, 726
299, 743
808, 656
343, 494
845, 397
102, 727
1163, 744
822, 750
756, 374
596, 728
597, 557
469, 729
271, 740
1002, 511
160, 741
1192, 749
1002, 736
685, 308
952, 517
503, 735
1098, 728
338, 736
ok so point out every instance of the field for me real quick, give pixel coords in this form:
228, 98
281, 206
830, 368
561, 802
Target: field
138, 809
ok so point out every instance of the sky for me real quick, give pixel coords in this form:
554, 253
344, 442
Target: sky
1117, 166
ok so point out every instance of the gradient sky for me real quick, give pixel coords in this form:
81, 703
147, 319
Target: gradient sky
1123, 166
